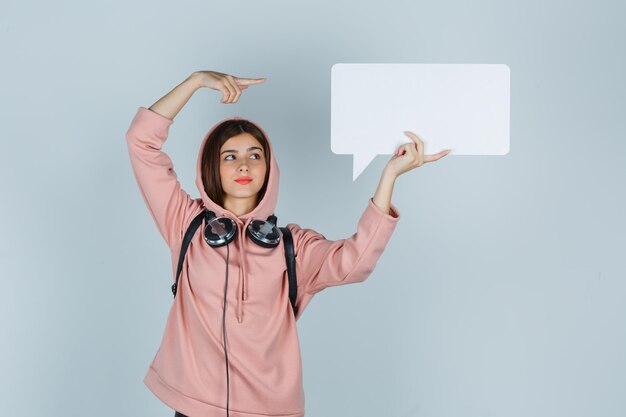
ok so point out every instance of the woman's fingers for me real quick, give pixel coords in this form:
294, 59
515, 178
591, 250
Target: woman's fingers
231, 89
431, 158
246, 81
415, 149
226, 89
420, 147
416, 139
230, 86
234, 86
243, 83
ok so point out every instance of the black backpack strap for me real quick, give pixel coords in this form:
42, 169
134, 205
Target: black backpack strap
195, 223
290, 257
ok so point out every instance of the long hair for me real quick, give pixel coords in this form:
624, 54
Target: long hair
211, 157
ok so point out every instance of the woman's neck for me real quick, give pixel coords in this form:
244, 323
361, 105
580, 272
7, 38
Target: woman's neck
239, 206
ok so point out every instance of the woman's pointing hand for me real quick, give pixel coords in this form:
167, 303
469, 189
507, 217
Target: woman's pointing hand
410, 156
229, 85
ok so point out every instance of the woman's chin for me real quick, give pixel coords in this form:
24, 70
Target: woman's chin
243, 194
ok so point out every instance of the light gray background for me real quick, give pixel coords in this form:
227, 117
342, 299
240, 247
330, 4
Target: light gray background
501, 292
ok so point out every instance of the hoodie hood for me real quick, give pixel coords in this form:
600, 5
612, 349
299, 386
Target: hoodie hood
262, 211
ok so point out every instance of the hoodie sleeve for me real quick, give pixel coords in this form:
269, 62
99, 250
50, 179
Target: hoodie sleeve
167, 202
322, 263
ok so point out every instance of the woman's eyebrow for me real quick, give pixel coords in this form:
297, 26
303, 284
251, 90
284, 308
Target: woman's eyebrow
236, 151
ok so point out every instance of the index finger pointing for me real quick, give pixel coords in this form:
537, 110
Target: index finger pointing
439, 155
247, 81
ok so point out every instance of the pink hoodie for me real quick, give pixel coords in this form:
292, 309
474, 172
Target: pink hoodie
188, 372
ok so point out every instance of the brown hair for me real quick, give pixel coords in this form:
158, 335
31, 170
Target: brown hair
211, 156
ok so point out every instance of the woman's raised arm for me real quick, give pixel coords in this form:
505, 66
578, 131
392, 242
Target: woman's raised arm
170, 104
169, 205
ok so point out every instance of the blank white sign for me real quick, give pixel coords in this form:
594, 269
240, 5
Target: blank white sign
463, 107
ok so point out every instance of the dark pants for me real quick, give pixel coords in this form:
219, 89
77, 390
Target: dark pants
179, 414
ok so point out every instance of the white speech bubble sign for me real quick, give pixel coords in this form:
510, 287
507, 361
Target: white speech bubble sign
463, 107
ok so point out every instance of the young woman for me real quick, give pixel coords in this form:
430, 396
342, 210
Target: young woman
232, 350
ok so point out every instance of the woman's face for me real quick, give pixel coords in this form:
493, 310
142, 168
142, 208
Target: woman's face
242, 156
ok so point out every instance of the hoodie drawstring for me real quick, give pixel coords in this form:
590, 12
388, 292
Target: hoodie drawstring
242, 293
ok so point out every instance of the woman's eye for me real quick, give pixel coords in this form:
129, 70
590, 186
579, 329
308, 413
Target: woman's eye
254, 154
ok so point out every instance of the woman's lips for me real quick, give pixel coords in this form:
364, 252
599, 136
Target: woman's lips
244, 181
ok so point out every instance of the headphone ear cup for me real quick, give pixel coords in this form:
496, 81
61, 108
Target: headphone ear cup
263, 233
219, 231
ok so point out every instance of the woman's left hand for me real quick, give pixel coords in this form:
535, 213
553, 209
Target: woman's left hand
411, 155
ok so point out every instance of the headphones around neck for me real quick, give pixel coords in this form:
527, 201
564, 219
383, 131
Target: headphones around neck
220, 231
